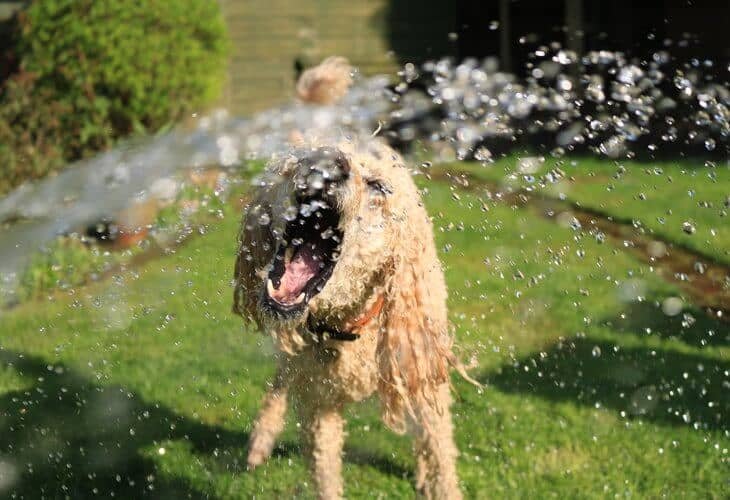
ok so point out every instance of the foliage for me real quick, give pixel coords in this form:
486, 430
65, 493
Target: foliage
104, 70
30, 131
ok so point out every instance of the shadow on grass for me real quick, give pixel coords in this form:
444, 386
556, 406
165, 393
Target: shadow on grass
662, 386
692, 326
66, 436
366, 458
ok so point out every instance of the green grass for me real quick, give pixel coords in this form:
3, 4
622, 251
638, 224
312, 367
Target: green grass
662, 196
147, 384
73, 260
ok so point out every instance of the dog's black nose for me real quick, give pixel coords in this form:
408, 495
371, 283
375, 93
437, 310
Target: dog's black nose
321, 170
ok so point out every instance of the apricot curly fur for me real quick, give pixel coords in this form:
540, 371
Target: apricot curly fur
403, 354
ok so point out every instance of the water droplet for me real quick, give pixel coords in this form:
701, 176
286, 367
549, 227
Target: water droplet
672, 306
483, 154
291, 213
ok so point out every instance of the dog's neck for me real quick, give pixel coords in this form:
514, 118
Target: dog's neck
351, 329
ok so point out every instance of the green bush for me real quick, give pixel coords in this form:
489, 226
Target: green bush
30, 132
105, 70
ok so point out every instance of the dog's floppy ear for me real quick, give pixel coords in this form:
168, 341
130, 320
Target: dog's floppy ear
414, 350
255, 248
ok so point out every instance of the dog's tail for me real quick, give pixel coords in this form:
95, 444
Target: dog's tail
326, 83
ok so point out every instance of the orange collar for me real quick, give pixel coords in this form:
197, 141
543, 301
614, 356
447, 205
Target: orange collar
368, 315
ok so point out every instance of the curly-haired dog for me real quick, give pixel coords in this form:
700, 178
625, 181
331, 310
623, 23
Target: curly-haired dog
337, 262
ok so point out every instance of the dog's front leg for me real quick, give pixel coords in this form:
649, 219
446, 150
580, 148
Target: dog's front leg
269, 421
323, 437
435, 449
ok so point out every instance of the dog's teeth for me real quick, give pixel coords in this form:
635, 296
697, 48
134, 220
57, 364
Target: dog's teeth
288, 254
299, 299
270, 287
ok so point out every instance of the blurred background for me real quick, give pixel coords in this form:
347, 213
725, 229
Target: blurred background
573, 156
273, 40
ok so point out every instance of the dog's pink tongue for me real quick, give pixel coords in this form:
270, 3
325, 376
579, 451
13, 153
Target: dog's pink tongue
297, 274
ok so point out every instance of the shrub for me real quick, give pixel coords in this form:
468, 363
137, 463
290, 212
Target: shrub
115, 68
30, 132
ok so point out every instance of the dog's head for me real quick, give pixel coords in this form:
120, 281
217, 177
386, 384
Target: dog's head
324, 230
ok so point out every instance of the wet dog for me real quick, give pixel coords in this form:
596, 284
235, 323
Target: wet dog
336, 261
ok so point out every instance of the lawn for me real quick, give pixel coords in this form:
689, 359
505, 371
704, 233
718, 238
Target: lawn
145, 383
685, 202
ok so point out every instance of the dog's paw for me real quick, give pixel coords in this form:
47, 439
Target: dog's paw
259, 451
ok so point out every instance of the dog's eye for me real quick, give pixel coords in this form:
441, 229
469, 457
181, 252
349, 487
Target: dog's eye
378, 187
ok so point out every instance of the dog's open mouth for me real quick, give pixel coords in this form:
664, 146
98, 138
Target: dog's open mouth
308, 249
305, 257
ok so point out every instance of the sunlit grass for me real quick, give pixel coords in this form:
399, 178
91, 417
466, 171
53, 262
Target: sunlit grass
147, 382
685, 202
72, 260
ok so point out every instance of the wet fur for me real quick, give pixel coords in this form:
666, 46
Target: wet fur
403, 354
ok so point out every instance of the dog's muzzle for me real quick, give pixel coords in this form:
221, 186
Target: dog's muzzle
308, 251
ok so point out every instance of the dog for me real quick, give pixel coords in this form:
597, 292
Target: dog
336, 262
